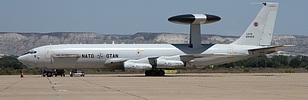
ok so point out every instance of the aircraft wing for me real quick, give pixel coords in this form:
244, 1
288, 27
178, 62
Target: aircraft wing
114, 62
146, 63
180, 60
142, 63
267, 50
157, 61
187, 58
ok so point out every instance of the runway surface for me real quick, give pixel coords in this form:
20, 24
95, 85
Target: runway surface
256, 86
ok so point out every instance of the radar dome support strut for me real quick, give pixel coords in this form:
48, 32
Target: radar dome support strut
195, 21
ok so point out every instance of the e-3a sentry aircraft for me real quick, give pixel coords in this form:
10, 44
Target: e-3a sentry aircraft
255, 41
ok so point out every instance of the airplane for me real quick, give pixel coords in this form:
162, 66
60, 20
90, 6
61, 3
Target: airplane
255, 41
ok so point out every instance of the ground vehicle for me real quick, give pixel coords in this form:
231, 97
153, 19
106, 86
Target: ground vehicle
77, 73
56, 72
60, 72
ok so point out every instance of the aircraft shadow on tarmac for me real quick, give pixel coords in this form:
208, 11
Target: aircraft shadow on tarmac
194, 75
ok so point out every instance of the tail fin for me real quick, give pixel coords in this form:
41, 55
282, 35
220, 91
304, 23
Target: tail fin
260, 31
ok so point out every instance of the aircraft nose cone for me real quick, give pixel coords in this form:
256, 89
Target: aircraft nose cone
26, 60
22, 59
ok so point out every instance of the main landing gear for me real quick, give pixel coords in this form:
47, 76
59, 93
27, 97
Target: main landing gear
155, 72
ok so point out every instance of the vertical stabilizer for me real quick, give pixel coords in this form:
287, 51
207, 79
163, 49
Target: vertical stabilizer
260, 31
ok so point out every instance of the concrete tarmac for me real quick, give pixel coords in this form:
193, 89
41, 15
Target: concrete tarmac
239, 86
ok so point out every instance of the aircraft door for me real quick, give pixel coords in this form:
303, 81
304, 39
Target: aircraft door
47, 53
230, 50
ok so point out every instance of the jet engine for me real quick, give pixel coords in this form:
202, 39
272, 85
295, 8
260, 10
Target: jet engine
133, 65
163, 63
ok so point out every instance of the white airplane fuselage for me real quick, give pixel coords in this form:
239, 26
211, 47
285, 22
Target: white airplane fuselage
255, 41
75, 56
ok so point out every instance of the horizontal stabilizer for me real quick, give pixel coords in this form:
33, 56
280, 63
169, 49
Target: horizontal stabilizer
267, 50
187, 58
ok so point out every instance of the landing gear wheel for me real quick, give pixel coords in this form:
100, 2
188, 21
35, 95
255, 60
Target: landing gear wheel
161, 73
148, 73
155, 72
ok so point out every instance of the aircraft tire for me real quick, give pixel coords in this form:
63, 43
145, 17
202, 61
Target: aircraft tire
147, 73
161, 73
154, 73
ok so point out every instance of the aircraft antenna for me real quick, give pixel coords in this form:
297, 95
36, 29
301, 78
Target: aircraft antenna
195, 21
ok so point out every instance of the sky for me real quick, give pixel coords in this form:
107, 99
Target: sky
128, 17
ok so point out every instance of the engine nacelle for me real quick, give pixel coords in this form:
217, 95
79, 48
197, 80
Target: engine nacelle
163, 63
132, 65
194, 19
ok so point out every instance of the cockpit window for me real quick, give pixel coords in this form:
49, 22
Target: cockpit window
31, 52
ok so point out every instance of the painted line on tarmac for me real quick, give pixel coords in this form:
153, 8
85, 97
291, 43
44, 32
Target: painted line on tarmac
10, 85
53, 88
113, 89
